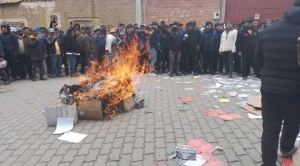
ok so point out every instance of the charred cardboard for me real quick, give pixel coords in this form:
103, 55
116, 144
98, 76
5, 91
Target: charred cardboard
91, 110
129, 103
251, 109
254, 101
61, 110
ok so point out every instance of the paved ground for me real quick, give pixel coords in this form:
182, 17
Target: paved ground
134, 138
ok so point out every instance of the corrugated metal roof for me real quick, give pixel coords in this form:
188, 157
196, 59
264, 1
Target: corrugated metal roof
9, 1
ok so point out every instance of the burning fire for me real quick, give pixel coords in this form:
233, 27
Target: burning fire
112, 80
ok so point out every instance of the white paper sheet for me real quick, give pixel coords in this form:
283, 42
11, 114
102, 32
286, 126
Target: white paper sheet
252, 116
72, 137
243, 95
218, 85
64, 125
200, 160
188, 89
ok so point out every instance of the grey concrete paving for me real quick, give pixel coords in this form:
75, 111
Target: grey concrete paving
133, 138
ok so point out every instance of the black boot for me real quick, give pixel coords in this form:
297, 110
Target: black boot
43, 78
6, 82
230, 75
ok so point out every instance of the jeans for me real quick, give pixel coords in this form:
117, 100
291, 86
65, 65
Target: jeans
66, 64
174, 58
56, 62
208, 61
161, 62
228, 61
38, 65
220, 62
275, 109
73, 59
153, 58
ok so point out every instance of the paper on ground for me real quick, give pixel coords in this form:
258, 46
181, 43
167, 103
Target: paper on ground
224, 100
251, 116
218, 85
200, 160
72, 137
64, 125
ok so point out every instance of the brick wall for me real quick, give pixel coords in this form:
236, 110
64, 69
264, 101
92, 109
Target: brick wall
182, 10
94, 12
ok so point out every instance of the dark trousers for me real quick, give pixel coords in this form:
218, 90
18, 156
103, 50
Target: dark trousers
192, 61
174, 57
182, 62
22, 65
83, 60
66, 64
228, 57
275, 109
220, 62
209, 61
48, 64
11, 67
37, 65
237, 63
3, 75
247, 63
161, 61
29, 66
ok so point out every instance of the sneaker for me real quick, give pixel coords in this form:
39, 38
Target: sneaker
34, 79
244, 78
230, 75
53, 76
289, 154
172, 75
59, 75
178, 74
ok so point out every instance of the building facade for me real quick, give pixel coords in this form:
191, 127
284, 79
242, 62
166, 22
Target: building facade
111, 12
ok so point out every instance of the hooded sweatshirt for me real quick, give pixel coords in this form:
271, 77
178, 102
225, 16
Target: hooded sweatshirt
276, 55
9, 41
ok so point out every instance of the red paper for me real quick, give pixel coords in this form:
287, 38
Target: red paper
201, 146
187, 99
212, 160
215, 112
200, 85
156, 165
230, 117
287, 162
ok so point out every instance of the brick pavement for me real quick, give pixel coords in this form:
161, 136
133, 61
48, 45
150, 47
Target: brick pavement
134, 138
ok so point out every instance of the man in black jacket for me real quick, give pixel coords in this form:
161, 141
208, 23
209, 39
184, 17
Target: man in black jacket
3, 73
245, 45
218, 63
10, 47
164, 51
276, 54
174, 41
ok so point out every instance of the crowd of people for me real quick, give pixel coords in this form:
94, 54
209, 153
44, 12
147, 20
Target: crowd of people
222, 48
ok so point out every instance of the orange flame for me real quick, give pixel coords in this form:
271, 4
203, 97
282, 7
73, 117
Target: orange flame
117, 84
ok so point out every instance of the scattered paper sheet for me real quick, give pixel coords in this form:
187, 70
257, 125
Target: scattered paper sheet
200, 160
251, 109
72, 137
188, 89
197, 77
251, 116
224, 100
233, 94
218, 85
64, 125
215, 112
287, 162
187, 99
201, 146
242, 95
230, 117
